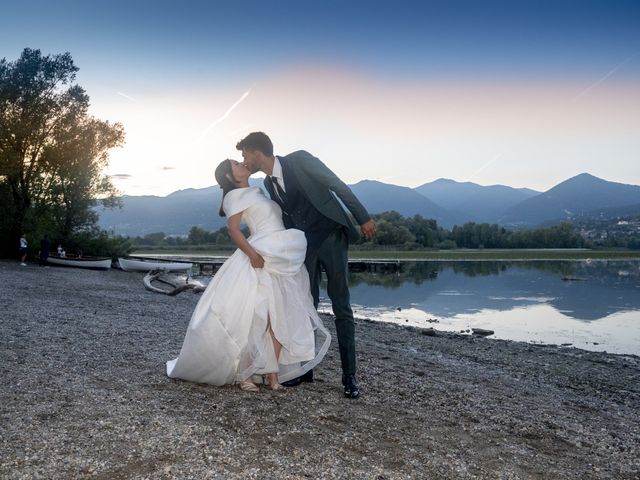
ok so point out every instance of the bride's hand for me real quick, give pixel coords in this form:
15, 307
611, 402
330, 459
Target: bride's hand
256, 260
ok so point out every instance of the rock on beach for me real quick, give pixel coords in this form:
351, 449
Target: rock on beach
84, 395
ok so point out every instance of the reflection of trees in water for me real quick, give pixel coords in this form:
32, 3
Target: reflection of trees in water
475, 269
410, 272
479, 269
420, 272
559, 267
605, 270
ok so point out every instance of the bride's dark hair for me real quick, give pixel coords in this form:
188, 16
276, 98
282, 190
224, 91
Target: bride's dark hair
223, 172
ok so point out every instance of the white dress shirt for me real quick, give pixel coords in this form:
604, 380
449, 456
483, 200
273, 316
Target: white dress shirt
277, 173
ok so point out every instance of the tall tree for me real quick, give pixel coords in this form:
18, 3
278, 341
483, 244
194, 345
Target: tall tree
75, 183
52, 153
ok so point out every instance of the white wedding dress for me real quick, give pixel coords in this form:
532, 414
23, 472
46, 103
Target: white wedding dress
227, 339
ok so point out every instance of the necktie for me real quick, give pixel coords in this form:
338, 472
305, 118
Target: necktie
278, 189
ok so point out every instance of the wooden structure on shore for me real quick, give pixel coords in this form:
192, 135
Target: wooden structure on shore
209, 266
375, 266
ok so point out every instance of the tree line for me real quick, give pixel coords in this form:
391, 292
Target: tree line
419, 232
197, 236
52, 157
416, 232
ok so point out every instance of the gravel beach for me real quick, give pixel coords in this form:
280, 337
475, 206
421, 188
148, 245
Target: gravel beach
84, 395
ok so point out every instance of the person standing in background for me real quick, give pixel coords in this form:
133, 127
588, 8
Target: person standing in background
23, 250
45, 246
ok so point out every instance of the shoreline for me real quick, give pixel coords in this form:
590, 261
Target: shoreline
86, 397
497, 255
432, 330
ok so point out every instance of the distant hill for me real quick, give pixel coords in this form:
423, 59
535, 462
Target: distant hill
449, 203
472, 202
612, 213
572, 198
448, 193
379, 197
174, 214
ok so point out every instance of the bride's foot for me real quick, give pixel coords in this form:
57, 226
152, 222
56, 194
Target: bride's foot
273, 382
276, 386
247, 386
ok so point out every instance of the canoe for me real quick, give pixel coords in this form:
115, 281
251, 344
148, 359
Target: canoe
130, 265
88, 262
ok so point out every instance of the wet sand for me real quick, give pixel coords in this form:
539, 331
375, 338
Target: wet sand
84, 395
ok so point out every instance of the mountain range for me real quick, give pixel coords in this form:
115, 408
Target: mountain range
447, 201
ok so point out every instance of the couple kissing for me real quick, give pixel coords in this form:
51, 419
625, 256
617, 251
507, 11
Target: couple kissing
257, 322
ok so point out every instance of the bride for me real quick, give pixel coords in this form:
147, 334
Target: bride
256, 318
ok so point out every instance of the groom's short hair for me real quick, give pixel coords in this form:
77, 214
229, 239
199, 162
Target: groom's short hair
256, 141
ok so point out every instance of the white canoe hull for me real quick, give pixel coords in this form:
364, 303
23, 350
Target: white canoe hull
129, 265
96, 263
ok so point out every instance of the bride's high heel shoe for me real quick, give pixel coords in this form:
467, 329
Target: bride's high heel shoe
247, 386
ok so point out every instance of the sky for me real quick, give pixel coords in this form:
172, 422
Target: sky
520, 93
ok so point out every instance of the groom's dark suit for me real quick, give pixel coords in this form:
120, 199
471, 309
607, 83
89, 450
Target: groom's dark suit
310, 204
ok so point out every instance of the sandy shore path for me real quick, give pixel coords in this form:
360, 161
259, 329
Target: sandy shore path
84, 395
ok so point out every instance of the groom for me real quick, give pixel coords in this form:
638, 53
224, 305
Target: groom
306, 191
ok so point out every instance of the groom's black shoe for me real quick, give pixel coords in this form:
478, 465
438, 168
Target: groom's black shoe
307, 377
351, 389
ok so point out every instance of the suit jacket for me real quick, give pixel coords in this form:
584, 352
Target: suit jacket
323, 188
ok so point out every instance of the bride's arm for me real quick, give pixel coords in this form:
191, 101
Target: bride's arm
233, 225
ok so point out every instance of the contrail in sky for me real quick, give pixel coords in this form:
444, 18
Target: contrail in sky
127, 96
226, 114
598, 82
484, 166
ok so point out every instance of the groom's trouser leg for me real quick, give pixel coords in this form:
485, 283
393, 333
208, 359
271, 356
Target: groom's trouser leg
315, 275
333, 256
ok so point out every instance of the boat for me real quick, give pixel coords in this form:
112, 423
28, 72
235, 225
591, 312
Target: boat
132, 265
81, 262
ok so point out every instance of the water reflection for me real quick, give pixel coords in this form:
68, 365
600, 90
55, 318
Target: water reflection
547, 301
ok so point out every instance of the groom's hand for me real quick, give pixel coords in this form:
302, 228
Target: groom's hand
369, 229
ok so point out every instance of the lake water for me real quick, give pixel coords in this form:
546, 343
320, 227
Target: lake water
591, 305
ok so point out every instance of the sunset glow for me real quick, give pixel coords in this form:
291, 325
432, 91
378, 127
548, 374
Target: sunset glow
406, 104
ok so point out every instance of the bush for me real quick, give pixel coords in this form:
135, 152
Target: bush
412, 246
447, 245
97, 243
